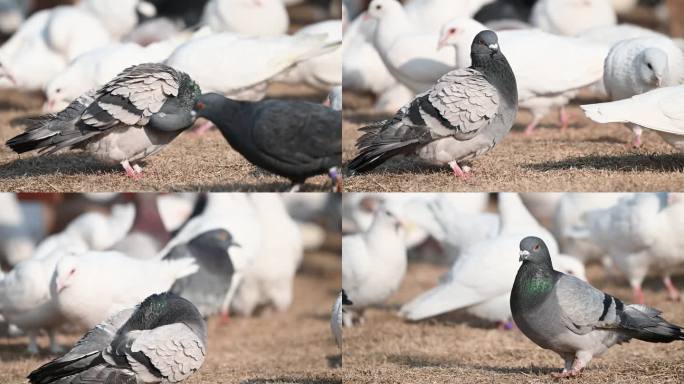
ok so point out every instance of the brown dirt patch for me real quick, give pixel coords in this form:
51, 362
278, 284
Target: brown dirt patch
458, 349
189, 163
587, 157
290, 347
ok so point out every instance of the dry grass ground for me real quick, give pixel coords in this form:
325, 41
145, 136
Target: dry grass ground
291, 347
456, 348
587, 157
189, 163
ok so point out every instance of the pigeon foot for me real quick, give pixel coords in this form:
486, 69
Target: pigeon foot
336, 179
458, 172
639, 295
532, 126
134, 172
564, 119
671, 289
566, 374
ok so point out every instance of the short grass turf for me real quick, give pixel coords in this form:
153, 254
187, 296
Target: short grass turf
275, 348
189, 163
586, 157
457, 348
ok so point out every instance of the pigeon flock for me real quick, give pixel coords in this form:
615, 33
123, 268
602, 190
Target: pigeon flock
146, 313
484, 238
122, 80
454, 76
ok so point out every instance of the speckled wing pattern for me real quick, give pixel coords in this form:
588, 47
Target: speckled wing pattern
465, 99
132, 97
174, 350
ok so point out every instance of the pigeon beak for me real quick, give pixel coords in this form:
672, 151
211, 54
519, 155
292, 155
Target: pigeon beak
234, 244
60, 287
524, 255
659, 81
494, 47
442, 43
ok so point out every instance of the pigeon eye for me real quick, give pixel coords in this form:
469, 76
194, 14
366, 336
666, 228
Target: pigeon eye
59, 90
73, 270
200, 106
452, 30
378, 7
536, 247
649, 66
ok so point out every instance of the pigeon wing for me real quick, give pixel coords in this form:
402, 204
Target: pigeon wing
132, 97
173, 350
584, 308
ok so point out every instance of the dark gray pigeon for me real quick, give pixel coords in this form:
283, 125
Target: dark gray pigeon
207, 288
570, 317
163, 339
293, 139
133, 116
461, 117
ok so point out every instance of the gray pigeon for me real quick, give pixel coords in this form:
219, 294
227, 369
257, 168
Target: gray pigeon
570, 317
133, 116
207, 288
163, 339
461, 117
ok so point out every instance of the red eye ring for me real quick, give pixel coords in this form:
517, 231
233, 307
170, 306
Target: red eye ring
536, 247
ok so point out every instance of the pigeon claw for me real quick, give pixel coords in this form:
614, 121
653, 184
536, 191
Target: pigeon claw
462, 173
566, 374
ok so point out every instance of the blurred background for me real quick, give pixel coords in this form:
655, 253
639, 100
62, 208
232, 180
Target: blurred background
288, 255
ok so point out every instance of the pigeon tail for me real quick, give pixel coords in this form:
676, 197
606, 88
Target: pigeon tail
180, 268
439, 300
376, 149
86, 369
644, 323
606, 112
50, 133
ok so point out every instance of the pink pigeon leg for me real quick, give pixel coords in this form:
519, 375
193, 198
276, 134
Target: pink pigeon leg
637, 136
531, 127
671, 289
130, 172
564, 119
638, 295
458, 172
581, 360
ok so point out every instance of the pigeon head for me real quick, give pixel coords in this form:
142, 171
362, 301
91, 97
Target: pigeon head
61, 90
533, 250
66, 273
385, 216
163, 309
208, 104
459, 32
377, 9
652, 64
219, 238
485, 43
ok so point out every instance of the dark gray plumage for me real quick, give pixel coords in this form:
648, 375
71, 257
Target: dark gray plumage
461, 117
207, 288
163, 339
574, 319
293, 139
133, 116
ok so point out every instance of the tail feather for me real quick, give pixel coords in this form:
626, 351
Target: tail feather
644, 323
50, 133
441, 299
182, 267
375, 149
97, 371
610, 112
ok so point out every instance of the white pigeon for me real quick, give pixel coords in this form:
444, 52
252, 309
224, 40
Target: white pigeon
176, 208
26, 299
93, 286
364, 71
572, 17
639, 65
562, 65
373, 263
322, 72
543, 206
269, 280
666, 249
16, 240
452, 225
658, 110
248, 17
207, 59
429, 15
235, 213
26, 60
481, 279
409, 55
570, 218
71, 31
95, 68
626, 231
120, 17
611, 34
